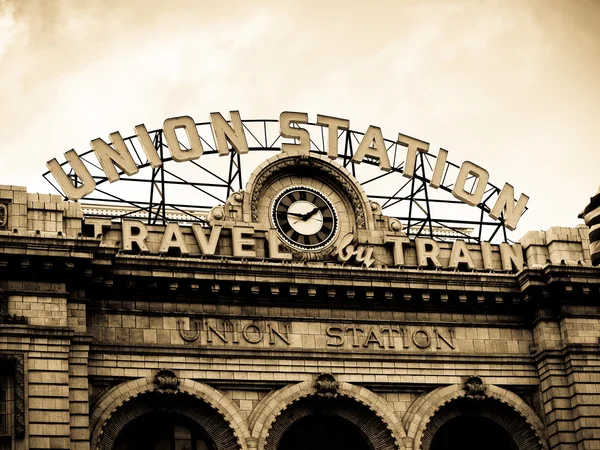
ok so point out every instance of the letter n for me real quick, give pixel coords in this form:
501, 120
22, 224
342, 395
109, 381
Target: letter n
85, 182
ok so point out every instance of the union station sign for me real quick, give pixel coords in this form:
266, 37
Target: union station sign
297, 205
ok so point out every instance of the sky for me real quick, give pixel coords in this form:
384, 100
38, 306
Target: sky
511, 85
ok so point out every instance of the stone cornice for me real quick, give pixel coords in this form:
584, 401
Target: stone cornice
15, 243
263, 271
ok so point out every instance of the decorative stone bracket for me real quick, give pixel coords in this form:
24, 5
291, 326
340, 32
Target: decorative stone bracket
326, 386
166, 380
475, 388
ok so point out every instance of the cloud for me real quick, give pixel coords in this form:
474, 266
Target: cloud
510, 85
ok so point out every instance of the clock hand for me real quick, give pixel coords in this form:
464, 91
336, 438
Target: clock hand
310, 213
304, 216
310, 218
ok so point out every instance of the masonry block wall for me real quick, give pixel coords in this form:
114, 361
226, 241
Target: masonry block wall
38, 243
569, 364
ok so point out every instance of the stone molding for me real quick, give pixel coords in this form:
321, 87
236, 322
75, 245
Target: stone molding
124, 392
419, 414
166, 380
326, 386
270, 407
476, 388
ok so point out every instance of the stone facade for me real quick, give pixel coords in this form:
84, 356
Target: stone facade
92, 336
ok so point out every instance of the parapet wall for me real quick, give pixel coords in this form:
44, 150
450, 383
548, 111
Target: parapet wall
42, 214
557, 245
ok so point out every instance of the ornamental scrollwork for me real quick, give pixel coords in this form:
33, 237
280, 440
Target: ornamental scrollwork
313, 164
236, 198
323, 255
475, 388
19, 362
326, 386
166, 380
15, 363
262, 179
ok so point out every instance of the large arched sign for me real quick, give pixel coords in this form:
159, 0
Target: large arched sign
402, 175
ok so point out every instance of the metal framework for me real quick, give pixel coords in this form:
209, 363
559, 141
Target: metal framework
185, 192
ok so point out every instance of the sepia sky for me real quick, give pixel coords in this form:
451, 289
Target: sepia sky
511, 85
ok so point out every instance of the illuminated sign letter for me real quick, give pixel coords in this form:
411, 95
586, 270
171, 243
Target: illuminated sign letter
333, 124
187, 123
438, 171
98, 224
427, 250
243, 247
460, 254
139, 238
225, 133
373, 145
512, 212
274, 251
207, 246
173, 238
397, 249
286, 118
86, 183
511, 256
109, 157
486, 254
411, 154
474, 196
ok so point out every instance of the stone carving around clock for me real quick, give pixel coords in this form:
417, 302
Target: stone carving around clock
312, 204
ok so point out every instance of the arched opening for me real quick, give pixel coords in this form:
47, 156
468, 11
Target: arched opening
472, 433
316, 423
468, 424
161, 431
323, 432
167, 421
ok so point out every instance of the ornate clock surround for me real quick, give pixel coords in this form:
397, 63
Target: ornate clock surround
316, 167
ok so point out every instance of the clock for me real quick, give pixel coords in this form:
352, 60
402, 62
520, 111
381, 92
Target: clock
305, 218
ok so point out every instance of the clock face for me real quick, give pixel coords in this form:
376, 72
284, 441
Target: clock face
304, 217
